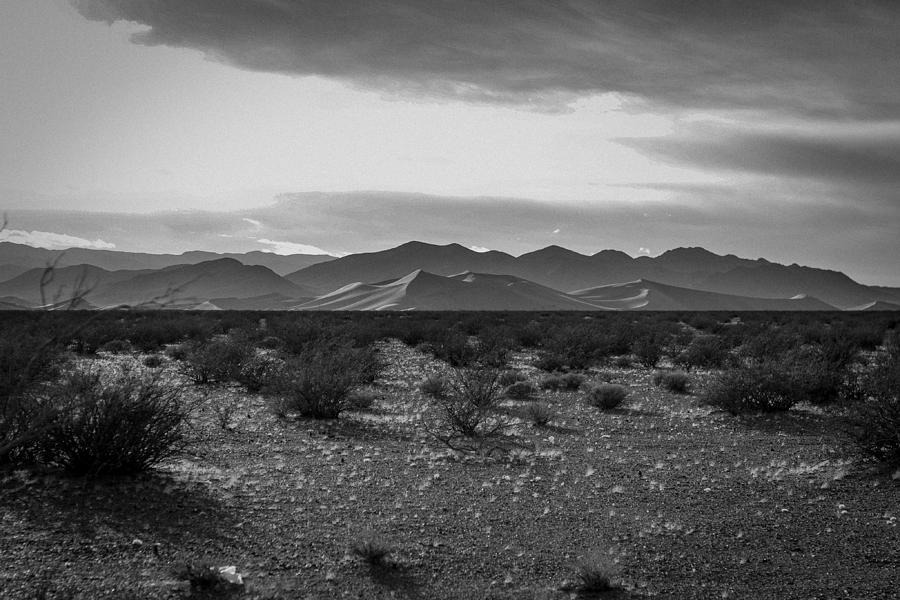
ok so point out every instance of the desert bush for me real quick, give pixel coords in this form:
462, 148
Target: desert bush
434, 386
648, 349
606, 395
674, 381
29, 359
521, 390
765, 387
540, 414
623, 362
223, 404
317, 383
217, 361
361, 399
177, 351
876, 420
114, 423
154, 361
568, 382
511, 376
117, 347
704, 351
257, 371
469, 403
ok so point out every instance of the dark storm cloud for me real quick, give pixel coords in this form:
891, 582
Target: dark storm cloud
829, 57
873, 158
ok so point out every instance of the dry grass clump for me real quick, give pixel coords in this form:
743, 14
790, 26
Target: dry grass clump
606, 395
674, 381
521, 390
595, 576
540, 414
434, 386
372, 550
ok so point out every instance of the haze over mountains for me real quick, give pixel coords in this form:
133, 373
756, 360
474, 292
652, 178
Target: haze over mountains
420, 276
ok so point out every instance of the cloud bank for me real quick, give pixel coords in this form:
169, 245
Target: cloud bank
829, 57
52, 241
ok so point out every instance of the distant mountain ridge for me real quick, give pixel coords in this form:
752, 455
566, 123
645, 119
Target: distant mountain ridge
417, 275
20, 258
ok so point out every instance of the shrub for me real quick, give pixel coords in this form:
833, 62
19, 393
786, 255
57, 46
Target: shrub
224, 405
540, 414
704, 351
606, 395
434, 386
28, 360
568, 382
257, 371
469, 403
361, 399
154, 361
216, 361
177, 351
117, 347
764, 388
623, 362
876, 420
317, 383
510, 377
674, 381
648, 350
114, 423
521, 390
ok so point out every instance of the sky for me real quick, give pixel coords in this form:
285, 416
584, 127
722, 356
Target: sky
758, 128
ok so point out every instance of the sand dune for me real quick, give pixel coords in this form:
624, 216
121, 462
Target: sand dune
650, 295
420, 290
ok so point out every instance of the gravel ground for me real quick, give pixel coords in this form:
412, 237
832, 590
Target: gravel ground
686, 502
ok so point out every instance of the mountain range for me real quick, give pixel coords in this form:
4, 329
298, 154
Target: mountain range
421, 276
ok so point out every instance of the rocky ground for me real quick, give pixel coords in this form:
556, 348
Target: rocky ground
682, 501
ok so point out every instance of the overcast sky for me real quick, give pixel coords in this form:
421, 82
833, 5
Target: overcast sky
760, 128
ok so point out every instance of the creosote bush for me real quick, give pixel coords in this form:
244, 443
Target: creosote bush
876, 419
469, 404
674, 381
318, 382
521, 390
704, 351
765, 387
154, 361
216, 361
568, 382
510, 376
606, 395
114, 422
